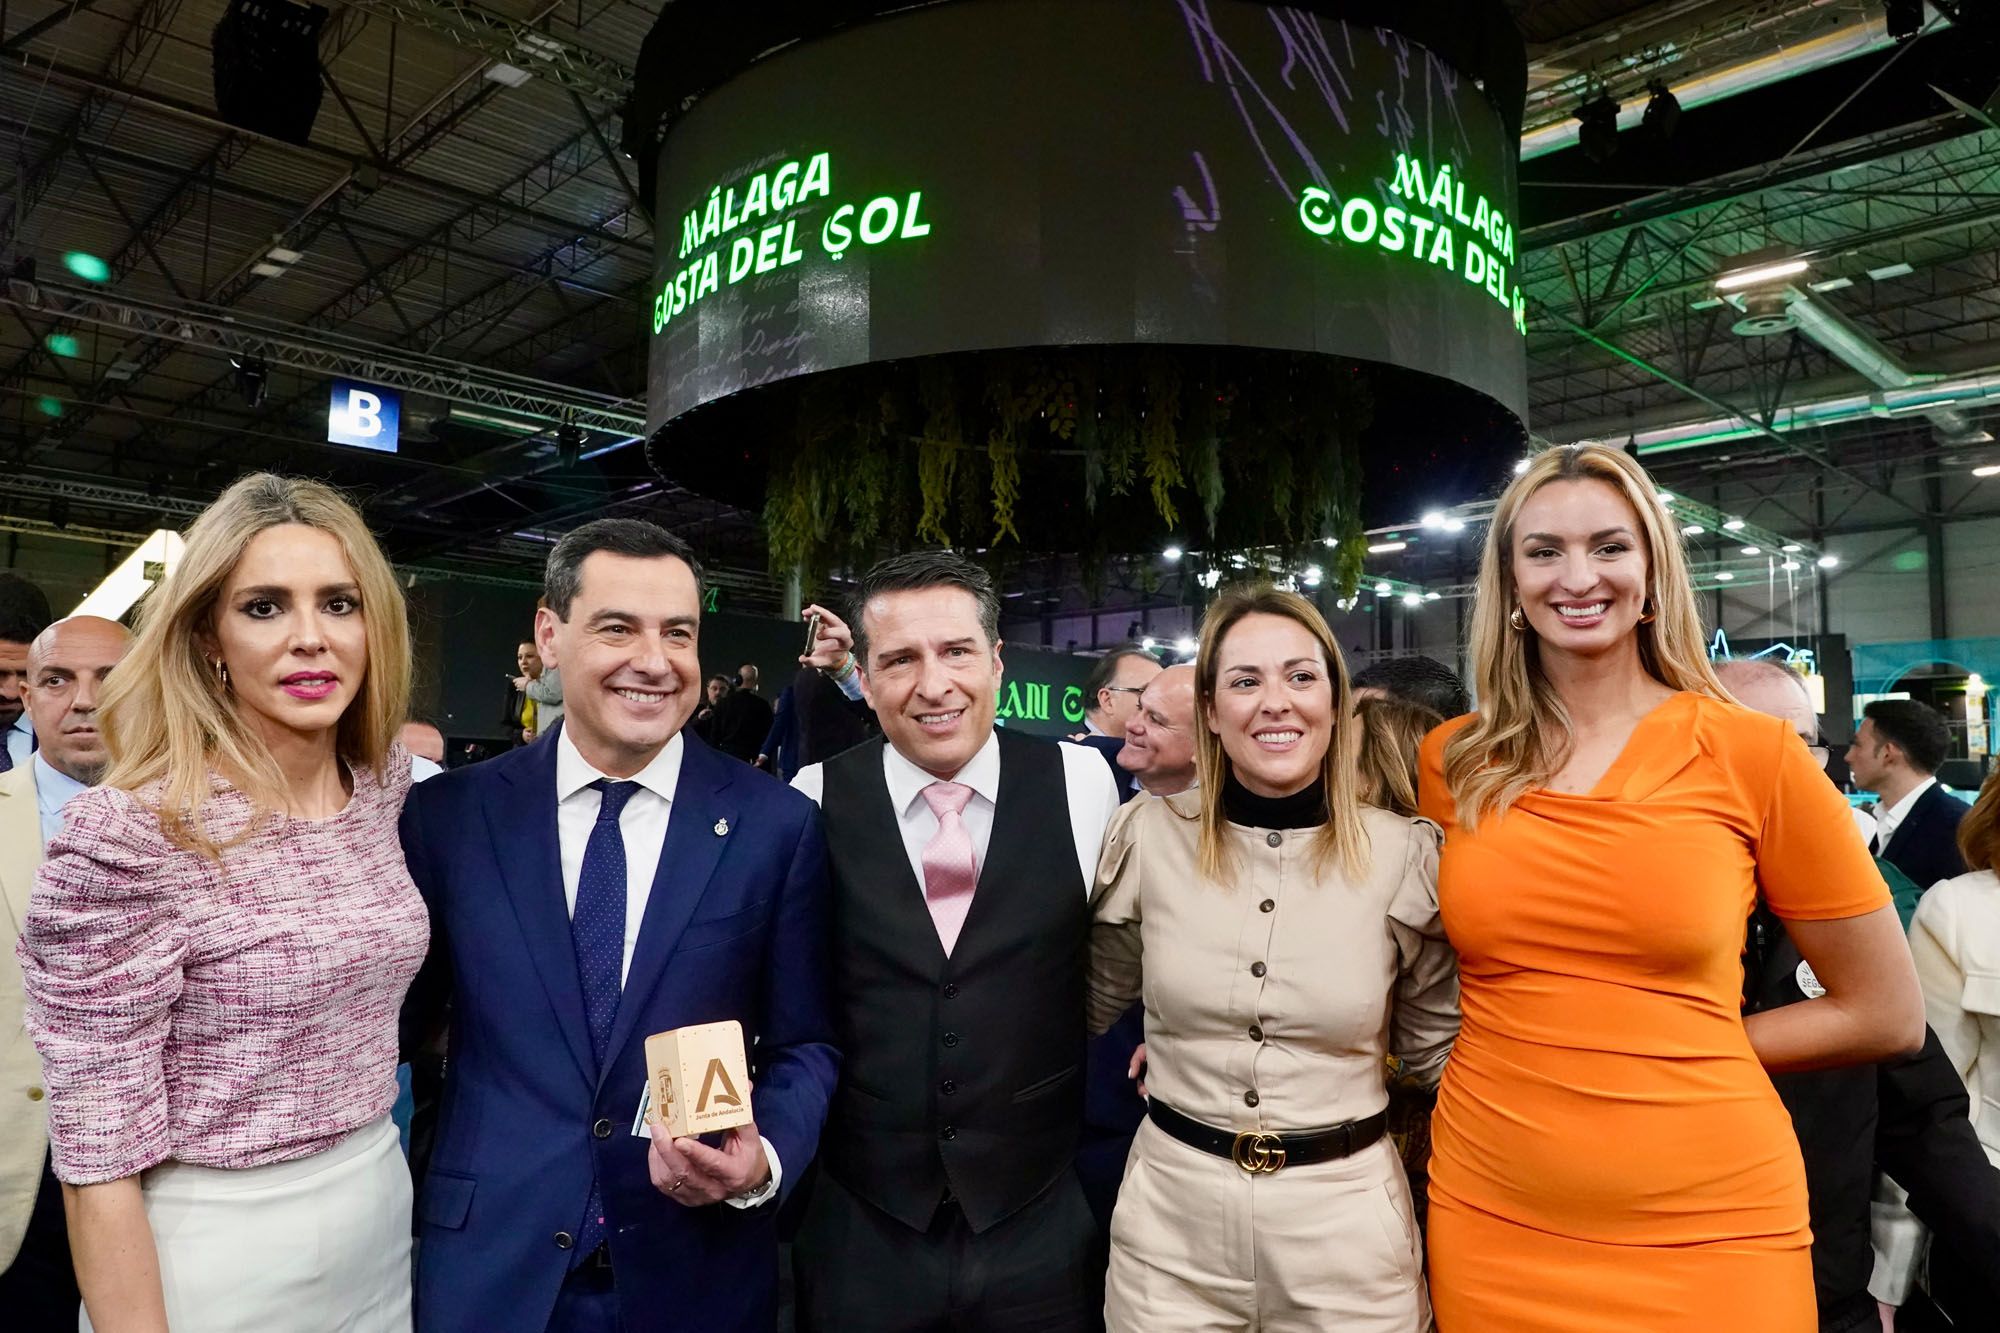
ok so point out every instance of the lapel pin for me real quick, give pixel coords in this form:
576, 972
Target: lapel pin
721, 828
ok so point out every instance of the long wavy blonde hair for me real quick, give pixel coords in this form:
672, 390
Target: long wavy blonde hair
1392, 731
1341, 835
166, 715
1520, 736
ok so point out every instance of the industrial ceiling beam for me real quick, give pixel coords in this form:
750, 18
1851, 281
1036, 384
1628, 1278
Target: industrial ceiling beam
512, 42
321, 353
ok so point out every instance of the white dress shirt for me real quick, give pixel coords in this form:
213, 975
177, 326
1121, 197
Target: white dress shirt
643, 826
1091, 795
21, 739
53, 788
1889, 820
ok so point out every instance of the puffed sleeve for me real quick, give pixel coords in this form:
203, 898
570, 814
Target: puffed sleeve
101, 955
1114, 931
1810, 864
1424, 1017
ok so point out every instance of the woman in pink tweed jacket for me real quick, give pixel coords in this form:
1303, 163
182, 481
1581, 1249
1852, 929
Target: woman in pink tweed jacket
220, 940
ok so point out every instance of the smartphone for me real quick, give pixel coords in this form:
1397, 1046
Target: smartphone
812, 632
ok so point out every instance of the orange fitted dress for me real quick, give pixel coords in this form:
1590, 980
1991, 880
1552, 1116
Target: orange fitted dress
1609, 1154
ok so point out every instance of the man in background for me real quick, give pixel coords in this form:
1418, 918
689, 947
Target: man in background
743, 718
1158, 754
64, 672
1110, 701
1908, 1118
24, 613
426, 746
1896, 754
1421, 680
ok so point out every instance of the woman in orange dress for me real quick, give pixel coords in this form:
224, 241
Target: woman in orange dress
1609, 1154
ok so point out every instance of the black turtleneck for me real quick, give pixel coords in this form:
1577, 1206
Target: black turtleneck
1305, 808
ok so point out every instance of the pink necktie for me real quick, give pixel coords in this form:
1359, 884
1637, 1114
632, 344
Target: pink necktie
949, 872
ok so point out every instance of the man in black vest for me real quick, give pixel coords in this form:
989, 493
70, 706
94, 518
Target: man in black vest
962, 859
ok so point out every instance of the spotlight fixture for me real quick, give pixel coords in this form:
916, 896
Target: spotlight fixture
569, 444
1413, 599
1172, 553
253, 378
1753, 550
1791, 548
1381, 590
1827, 561
1432, 596
1329, 542
1432, 521
1663, 112
1990, 470
1906, 18
1733, 525
1724, 577
1597, 132
1692, 530
1184, 646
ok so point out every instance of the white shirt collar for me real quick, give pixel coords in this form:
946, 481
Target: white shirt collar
662, 776
53, 787
1897, 813
1090, 727
22, 724
907, 781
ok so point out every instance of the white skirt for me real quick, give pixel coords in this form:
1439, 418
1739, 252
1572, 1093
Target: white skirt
320, 1245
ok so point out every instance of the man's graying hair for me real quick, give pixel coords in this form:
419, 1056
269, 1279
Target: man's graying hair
914, 571
633, 537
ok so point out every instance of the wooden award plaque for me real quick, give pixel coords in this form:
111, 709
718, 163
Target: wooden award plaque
699, 1079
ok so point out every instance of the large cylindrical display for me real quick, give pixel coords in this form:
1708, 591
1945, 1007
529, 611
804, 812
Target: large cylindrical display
1037, 173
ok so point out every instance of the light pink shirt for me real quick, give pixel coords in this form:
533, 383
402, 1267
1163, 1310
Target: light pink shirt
228, 1015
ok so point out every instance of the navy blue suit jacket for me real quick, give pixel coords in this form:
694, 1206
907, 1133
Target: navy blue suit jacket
1925, 844
736, 927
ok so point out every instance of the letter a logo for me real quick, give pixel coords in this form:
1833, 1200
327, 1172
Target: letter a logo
711, 1095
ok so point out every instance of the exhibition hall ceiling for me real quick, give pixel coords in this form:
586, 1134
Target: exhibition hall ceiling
460, 224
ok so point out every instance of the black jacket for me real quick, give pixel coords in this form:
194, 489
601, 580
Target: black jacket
1914, 1112
739, 724
1925, 844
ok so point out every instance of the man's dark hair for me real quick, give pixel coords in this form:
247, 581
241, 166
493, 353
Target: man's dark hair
913, 571
1421, 680
724, 679
632, 537
1106, 671
1918, 730
24, 609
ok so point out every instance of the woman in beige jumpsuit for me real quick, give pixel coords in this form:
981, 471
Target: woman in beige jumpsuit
1285, 940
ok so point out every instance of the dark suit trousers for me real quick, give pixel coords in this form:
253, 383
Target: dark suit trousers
38, 1291
862, 1271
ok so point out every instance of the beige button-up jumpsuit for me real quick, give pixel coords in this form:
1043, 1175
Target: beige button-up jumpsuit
1271, 1003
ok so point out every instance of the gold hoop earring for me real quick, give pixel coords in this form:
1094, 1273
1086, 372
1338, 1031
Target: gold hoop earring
1518, 619
1647, 613
222, 673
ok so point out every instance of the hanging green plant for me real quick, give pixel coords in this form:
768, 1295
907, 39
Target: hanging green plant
937, 454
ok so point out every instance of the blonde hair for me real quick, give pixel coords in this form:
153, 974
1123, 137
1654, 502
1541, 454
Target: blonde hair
1521, 734
1979, 831
1342, 834
1392, 730
166, 715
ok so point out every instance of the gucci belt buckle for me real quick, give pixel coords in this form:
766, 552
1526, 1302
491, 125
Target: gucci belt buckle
1257, 1153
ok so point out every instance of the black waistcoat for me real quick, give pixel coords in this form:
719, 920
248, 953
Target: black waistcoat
962, 1073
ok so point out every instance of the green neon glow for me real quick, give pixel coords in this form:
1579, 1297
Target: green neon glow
87, 266
706, 266
61, 344
49, 407
1429, 229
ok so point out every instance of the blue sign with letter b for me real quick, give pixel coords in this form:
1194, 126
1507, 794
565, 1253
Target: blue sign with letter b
363, 415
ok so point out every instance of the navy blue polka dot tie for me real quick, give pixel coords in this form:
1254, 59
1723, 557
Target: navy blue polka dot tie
597, 927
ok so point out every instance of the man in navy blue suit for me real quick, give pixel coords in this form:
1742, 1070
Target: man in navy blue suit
1896, 754
616, 879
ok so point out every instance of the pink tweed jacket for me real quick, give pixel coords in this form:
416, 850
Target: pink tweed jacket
228, 1015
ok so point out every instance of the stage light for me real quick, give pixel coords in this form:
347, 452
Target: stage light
1387, 548
49, 406
1752, 550
87, 266
1184, 646
1790, 565
1172, 553
1413, 599
1724, 577
569, 444
1597, 132
1329, 542
1762, 273
1906, 18
252, 379
1432, 521
1693, 530
1791, 548
1522, 466
1827, 561
1381, 590
1149, 644
1432, 596
1733, 525
62, 344
1663, 112
1990, 470
1454, 525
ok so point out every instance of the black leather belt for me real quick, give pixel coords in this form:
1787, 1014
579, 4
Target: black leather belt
1260, 1152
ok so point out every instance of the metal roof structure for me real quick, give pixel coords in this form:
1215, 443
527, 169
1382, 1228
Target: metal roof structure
461, 224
